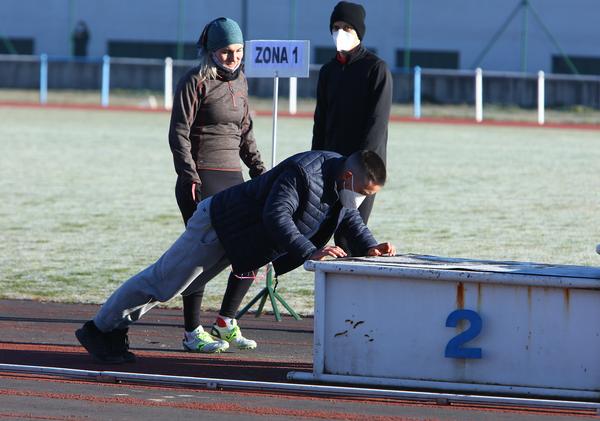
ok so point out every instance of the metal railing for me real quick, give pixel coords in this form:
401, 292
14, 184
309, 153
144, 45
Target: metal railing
434, 85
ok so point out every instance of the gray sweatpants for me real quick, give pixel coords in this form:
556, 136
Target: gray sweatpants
194, 259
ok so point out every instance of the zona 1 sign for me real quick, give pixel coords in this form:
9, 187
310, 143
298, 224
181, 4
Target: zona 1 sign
277, 58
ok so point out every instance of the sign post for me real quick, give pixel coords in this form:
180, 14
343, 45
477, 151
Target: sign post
277, 58
275, 107
274, 58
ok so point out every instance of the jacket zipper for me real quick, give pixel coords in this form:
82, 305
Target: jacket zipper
232, 94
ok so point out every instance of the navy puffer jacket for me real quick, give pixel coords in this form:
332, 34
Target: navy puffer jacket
285, 214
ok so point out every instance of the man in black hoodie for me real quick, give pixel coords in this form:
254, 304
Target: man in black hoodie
354, 97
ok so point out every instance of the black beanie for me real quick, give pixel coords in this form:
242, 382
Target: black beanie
352, 13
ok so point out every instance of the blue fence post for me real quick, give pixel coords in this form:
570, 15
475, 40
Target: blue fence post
105, 80
43, 79
417, 92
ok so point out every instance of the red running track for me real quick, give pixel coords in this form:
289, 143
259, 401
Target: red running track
41, 333
309, 115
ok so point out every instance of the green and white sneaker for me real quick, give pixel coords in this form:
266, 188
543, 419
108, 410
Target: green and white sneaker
233, 335
201, 341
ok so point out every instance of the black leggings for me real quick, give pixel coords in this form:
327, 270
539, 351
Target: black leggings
237, 286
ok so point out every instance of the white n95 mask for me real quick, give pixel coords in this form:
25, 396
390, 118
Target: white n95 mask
344, 41
349, 198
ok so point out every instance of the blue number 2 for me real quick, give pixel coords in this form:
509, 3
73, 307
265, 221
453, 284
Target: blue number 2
454, 348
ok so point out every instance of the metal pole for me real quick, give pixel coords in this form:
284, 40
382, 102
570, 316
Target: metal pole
70, 40
524, 36
478, 95
292, 19
417, 93
495, 37
275, 99
541, 98
293, 94
407, 31
338, 391
554, 41
168, 83
105, 80
10, 48
245, 18
43, 79
179, 54
499, 391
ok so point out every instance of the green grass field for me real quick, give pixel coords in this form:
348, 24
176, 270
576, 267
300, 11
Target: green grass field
87, 198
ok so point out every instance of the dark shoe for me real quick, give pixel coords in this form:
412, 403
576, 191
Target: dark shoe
106, 348
120, 345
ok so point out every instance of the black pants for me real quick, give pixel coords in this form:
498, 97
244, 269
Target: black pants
237, 286
364, 209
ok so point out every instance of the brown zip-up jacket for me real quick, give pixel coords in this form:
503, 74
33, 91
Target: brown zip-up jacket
211, 127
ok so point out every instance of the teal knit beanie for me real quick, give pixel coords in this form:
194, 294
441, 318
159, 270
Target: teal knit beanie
223, 32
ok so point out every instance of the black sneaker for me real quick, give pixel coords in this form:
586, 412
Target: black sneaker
120, 345
106, 348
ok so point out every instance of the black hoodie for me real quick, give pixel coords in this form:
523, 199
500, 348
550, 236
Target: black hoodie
353, 104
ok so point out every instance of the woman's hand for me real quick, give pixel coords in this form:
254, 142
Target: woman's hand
196, 192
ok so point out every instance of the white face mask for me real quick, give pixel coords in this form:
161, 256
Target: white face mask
216, 60
344, 41
349, 198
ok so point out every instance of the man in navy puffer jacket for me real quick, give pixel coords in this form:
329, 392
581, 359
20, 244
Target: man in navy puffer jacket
287, 215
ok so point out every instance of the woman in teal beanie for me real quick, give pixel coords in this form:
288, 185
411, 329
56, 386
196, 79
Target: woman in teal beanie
210, 130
